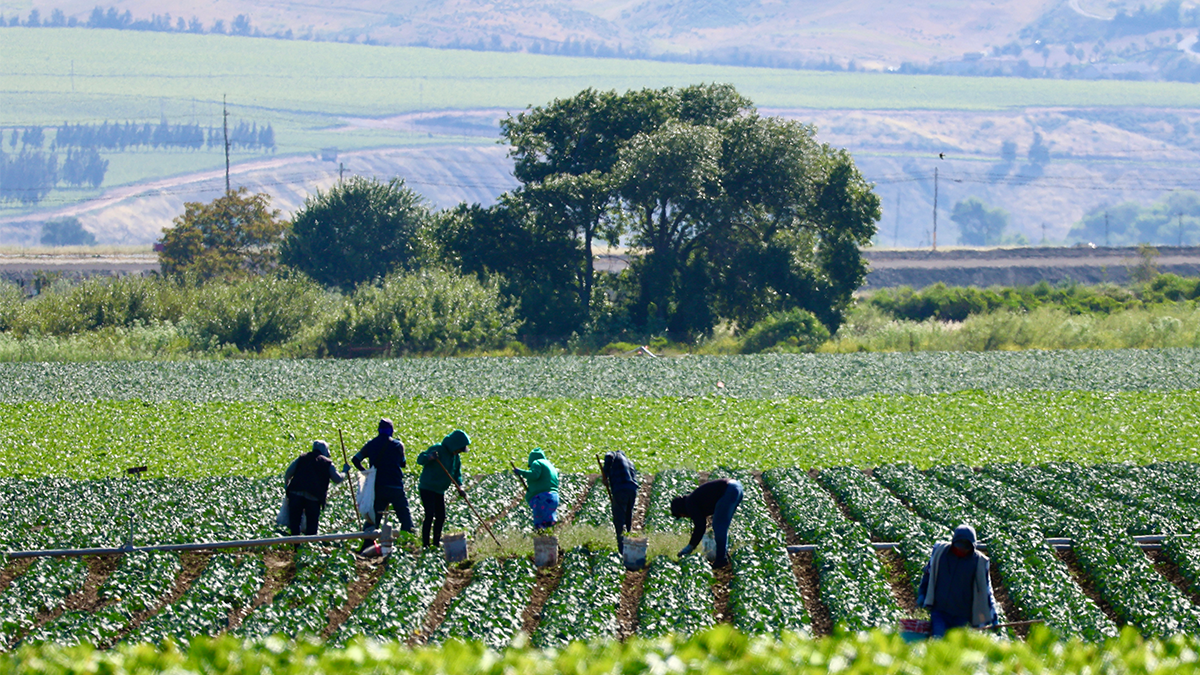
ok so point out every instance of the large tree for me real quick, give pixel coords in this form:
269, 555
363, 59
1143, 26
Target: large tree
978, 224
360, 230
236, 234
729, 215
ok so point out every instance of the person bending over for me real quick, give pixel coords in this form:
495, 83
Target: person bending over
307, 482
716, 498
441, 468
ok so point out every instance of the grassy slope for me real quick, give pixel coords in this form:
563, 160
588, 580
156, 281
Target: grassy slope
134, 75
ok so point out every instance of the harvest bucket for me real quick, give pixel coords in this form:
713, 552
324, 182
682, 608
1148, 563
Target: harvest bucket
455, 546
545, 551
915, 630
635, 553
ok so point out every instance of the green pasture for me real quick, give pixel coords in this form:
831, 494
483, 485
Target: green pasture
90, 75
181, 439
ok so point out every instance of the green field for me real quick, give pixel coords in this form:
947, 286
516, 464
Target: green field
135, 75
259, 439
766, 376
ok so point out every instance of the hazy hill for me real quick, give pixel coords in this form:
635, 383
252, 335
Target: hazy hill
874, 34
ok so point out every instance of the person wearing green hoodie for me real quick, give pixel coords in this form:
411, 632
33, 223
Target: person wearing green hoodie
441, 468
542, 490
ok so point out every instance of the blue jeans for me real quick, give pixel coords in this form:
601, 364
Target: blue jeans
942, 622
722, 517
622, 513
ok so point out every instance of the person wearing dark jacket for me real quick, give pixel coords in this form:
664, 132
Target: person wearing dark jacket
386, 456
955, 587
717, 498
436, 462
621, 479
307, 481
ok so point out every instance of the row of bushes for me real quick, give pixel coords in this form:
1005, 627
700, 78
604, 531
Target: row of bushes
956, 303
426, 312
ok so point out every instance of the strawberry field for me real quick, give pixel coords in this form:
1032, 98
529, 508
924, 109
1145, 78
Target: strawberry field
834, 455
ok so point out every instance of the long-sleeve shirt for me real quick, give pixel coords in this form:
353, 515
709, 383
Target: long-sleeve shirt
291, 471
619, 472
386, 455
433, 478
701, 504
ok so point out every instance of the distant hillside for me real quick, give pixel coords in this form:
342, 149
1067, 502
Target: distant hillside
1088, 39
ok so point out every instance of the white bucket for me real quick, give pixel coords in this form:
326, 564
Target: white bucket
455, 546
635, 553
545, 551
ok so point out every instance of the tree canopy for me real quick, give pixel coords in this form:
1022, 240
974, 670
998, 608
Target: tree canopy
234, 235
729, 215
360, 230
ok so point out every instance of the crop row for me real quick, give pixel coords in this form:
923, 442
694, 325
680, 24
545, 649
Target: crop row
1010, 506
584, 605
765, 376
191, 440
1037, 581
851, 580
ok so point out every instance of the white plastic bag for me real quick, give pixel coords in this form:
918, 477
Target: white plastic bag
284, 514
285, 511
366, 495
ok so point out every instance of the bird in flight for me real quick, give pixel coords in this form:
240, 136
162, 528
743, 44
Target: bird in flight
941, 155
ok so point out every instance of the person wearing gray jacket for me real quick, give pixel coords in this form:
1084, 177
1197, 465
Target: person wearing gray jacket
956, 587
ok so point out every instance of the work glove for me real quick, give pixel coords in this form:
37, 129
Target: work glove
516, 472
345, 468
686, 550
461, 493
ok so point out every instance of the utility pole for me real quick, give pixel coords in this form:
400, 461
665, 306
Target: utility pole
1043, 234
225, 118
1106, 228
341, 171
896, 229
935, 201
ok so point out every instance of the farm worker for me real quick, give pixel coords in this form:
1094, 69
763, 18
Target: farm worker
717, 498
956, 587
542, 489
621, 479
386, 455
434, 481
307, 481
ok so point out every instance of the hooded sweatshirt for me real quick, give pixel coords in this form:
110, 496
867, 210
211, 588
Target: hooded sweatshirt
309, 474
958, 585
541, 476
433, 478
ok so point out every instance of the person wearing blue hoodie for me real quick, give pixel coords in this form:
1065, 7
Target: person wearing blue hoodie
956, 587
541, 491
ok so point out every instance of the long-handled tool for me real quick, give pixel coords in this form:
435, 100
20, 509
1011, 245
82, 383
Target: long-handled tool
463, 493
519, 476
1011, 624
604, 477
353, 490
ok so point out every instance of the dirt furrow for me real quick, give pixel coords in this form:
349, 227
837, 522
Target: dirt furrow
1085, 584
810, 589
368, 575
100, 567
457, 578
281, 569
631, 598
1011, 613
1170, 571
548, 579
897, 575
191, 565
